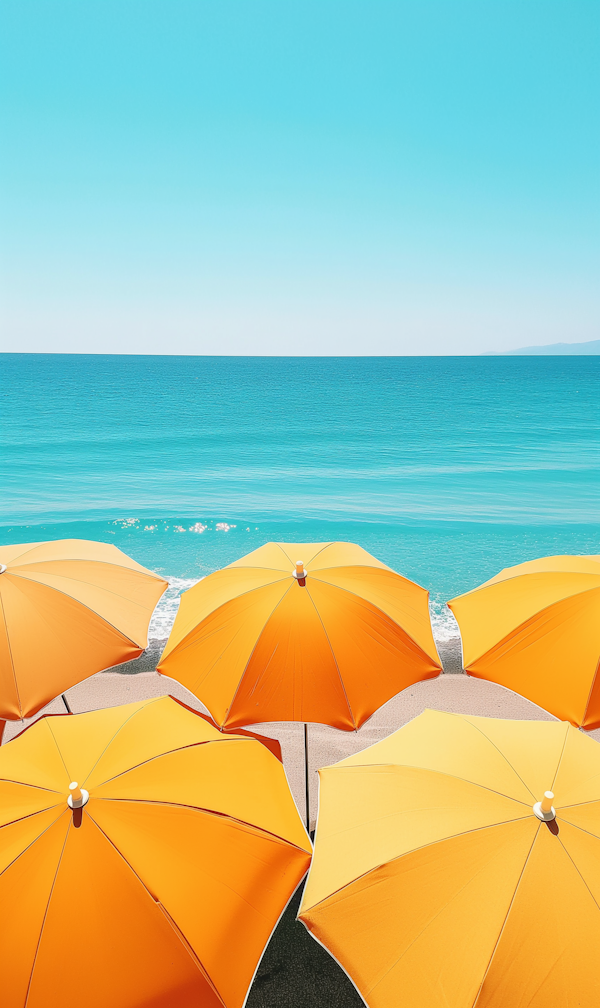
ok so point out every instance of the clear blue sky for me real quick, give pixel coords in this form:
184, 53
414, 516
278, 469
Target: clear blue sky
233, 177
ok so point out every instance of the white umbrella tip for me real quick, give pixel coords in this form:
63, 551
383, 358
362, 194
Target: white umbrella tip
77, 796
544, 809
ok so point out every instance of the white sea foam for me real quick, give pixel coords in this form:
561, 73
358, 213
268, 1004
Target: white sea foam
166, 610
135, 524
444, 625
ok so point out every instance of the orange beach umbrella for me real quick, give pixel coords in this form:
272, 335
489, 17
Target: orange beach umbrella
145, 858
535, 628
326, 638
69, 608
456, 863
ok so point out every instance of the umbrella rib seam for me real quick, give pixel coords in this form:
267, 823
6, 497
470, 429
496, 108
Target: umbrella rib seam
589, 697
89, 584
251, 655
506, 916
148, 703
408, 766
370, 567
206, 811
590, 801
24, 817
560, 759
529, 619
423, 930
429, 770
83, 606
281, 549
318, 553
155, 898
38, 787
188, 642
53, 736
35, 839
515, 577
362, 599
493, 744
391, 860
350, 711
238, 566
392, 815
103, 563
12, 661
41, 934
186, 944
580, 828
167, 752
579, 873
181, 645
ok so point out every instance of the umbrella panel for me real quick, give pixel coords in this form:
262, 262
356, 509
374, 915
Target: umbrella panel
120, 957
494, 611
211, 660
189, 860
547, 950
552, 659
292, 673
402, 600
387, 927
372, 815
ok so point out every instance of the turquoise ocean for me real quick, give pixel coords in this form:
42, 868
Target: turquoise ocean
446, 468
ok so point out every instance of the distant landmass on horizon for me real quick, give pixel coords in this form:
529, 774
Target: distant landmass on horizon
592, 347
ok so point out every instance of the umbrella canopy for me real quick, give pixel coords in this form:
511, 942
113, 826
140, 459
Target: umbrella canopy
163, 888
535, 628
436, 882
69, 608
327, 638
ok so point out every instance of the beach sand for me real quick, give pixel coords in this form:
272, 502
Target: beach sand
295, 971
453, 691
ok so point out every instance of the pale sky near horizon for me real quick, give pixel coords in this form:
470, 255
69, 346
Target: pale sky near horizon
306, 178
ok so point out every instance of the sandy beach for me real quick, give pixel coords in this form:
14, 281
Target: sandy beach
453, 691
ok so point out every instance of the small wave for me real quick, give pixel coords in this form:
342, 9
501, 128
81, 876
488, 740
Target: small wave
173, 525
443, 623
166, 610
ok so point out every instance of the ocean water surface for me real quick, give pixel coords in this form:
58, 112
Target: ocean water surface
446, 468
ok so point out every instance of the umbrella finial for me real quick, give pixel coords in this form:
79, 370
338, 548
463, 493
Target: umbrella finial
544, 809
300, 573
2, 568
78, 797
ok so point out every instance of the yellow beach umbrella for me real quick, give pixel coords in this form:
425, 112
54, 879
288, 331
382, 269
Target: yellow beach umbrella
457, 864
69, 608
145, 858
328, 638
535, 628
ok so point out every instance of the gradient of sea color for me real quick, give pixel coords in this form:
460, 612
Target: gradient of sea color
447, 468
